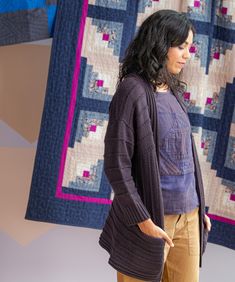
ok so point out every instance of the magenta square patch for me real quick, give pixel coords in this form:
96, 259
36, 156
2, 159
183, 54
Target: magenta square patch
86, 173
105, 37
197, 4
186, 95
202, 145
232, 197
192, 49
93, 128
208, 100
99, 83
224, 10
216, 55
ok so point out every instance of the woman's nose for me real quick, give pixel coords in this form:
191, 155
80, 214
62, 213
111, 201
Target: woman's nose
187, 54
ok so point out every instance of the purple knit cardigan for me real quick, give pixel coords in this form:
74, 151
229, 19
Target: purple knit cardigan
131, 164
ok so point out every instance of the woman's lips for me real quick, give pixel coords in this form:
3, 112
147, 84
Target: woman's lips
181, 64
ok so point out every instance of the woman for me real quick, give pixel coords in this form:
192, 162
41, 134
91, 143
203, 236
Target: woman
156, 229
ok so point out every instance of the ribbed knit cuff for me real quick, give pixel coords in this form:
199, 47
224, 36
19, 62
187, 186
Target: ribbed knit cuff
133, 212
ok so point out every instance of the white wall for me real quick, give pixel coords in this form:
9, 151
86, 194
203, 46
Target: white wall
72, 254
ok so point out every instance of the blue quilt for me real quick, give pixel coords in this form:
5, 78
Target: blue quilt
68, 183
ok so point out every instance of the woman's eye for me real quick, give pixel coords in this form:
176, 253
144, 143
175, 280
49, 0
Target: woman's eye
181, 48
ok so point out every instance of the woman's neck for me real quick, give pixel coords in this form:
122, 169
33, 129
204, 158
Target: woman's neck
162, 88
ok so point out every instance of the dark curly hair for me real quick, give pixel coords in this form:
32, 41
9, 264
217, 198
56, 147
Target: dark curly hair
146, 55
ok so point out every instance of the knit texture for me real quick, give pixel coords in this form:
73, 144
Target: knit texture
131, 164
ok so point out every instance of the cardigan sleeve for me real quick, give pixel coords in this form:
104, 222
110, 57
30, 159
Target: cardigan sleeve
119, 148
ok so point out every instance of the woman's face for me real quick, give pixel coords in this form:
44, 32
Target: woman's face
177, 56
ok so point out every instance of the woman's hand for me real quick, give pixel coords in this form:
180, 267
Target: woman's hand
151, 229
207, 221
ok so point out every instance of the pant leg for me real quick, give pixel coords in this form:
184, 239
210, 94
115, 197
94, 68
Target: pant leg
124, 278
170, 222
182, 261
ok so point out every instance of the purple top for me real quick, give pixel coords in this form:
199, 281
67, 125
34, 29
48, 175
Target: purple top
176, 158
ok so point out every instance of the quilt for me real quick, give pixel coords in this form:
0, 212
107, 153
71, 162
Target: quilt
90, 37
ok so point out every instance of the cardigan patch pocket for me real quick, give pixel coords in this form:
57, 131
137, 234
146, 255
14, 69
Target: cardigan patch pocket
151, 238
148, 239
149, 249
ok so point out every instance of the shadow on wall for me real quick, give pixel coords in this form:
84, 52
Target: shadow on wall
23, 77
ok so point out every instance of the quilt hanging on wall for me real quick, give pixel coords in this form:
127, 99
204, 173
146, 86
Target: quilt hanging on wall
68, 183
26, 20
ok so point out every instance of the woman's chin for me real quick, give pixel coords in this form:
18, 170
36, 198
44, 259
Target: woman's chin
176, 71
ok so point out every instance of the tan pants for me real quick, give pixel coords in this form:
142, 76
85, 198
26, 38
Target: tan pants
181, 263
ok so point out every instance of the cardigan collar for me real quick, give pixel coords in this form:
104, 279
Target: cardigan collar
151, 89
